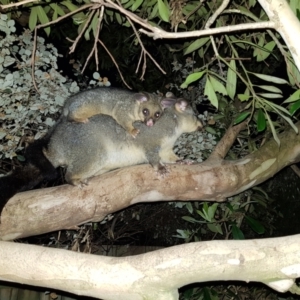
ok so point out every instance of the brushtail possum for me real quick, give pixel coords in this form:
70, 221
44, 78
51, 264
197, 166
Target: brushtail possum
124, 106
102, 145
99, 146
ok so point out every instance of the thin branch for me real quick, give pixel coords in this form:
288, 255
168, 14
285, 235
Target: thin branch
33, 60
158, 33
112, 58
18, 3
95, 50
72, 48
144, 49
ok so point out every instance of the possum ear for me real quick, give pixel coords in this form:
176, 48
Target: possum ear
141, 97
181, 105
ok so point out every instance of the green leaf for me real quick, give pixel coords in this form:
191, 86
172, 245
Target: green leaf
241, 117
69, 5
57, 9
189, 207
292, 71
270, 78
136, 5
43, 18
191, 78
218, 86
237, 233
294, 97
282, 111
215, 228
231, 79
33, 18
163, 11
255, 225
211, 211
269, 95
263, 54
196, 45
270, 88
261, 121
210, 93
243, 97
275, 136
189, 219
294, 107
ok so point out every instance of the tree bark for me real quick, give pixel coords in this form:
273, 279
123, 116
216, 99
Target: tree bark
63, 207
154, 275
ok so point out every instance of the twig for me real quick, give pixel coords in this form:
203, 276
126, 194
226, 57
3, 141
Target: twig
15, 4
144, 50
112, 58
72, 48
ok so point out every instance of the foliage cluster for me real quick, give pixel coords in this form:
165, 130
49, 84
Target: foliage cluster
22, 109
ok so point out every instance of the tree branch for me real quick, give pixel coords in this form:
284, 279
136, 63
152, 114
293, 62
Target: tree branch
154, 275
39, 211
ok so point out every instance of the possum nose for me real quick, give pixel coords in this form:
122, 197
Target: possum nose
150, 122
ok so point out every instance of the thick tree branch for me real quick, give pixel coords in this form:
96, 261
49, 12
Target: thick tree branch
154, 275
39, 211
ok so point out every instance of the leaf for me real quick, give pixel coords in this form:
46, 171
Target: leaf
294, 107
196, 45
241, 117
237, 233
163, 11
210, 93
189, 219
262, 54
261, 121
270, 95
33, 18
191, 78
211, 211
270, 88
275, 136
69, 5
282, 111
243, 97
218, 86
231, 79
255, 225
292, 71
136, 5
270, 78
215, 228
294, 97
57, 9
43, 18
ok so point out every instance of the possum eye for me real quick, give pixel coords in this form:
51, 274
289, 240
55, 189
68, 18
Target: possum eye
146, 112
157, 114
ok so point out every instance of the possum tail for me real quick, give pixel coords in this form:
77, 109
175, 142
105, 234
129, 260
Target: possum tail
36, 169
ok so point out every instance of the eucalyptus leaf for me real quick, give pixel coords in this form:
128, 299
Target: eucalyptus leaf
191, 78
241, 117
275, 136
270, 78
196, 45
261, 120
294, 107
231, 79
255, 225
163, 11
210, 93
294, 97
237, 233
